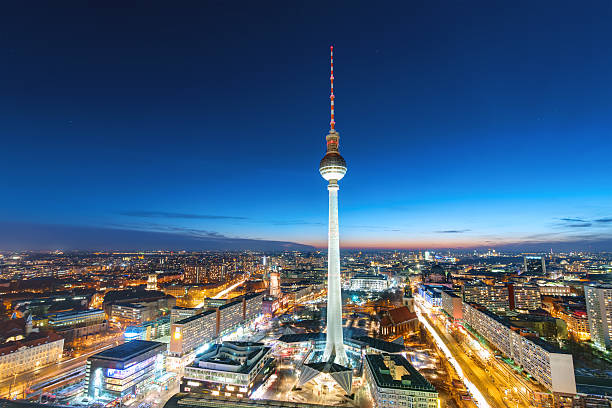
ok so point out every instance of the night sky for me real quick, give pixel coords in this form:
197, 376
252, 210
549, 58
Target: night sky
463, 123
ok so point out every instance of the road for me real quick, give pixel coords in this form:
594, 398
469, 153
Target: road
494, 381
19, 383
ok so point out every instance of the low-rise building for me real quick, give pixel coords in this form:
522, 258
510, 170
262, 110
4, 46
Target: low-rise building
394, 382
369, 283
35, 350
231, 369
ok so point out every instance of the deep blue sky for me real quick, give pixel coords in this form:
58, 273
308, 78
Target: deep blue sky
462, 122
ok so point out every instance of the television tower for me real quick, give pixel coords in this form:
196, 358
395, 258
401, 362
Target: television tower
332, 169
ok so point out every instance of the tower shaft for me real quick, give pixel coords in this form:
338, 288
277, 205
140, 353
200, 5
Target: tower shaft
335, 339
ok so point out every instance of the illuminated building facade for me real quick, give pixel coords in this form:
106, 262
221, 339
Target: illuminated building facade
452, 305
547, 364
36, 350
369, 283
231, 369
394, 382
192, 332
524, 297
599, 310
124, 370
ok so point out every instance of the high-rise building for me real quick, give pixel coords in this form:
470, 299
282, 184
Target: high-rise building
599, 311
535, 264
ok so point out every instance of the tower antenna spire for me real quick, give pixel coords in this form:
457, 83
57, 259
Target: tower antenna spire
332, 123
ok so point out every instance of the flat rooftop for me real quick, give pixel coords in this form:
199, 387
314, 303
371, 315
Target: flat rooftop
411, 380
128, 350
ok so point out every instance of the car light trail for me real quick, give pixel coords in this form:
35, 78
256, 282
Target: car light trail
228, 290
479, 399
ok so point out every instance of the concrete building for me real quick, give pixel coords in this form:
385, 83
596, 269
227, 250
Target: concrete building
36, 350
524, 297
452, 305
231, 369
599, 310
229, 317
555, 290
192, 332
550, 366
76, 325
123, 370
179, 313
333, 168
369, 283
394, 382
135, 313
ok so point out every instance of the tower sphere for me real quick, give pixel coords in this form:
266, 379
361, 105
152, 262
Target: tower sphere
333, 165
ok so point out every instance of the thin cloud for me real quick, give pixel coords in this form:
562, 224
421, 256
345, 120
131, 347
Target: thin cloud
581, 225
452, 231
175, 215
604, 220
573, 219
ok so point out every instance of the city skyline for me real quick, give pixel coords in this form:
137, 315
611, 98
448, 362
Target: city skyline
164, 132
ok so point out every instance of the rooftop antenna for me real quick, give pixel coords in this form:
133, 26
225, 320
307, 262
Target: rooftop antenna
331, 97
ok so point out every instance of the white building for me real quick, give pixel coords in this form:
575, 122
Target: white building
369, 283
24, 355
452, 305
192, 332
229, 317
599, 311
555, 290
231, 369
394, 382
548, 365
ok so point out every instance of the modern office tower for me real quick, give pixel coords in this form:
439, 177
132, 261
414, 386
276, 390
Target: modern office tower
152, 281
394, 382
547, 364
369, 283
534, 264
124, 370
231, 369
332, 168
599, 311
275, 289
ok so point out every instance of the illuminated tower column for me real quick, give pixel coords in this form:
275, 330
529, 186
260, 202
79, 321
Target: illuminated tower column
332, 169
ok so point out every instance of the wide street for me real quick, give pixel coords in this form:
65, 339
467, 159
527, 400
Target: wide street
493, 392
17, 385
